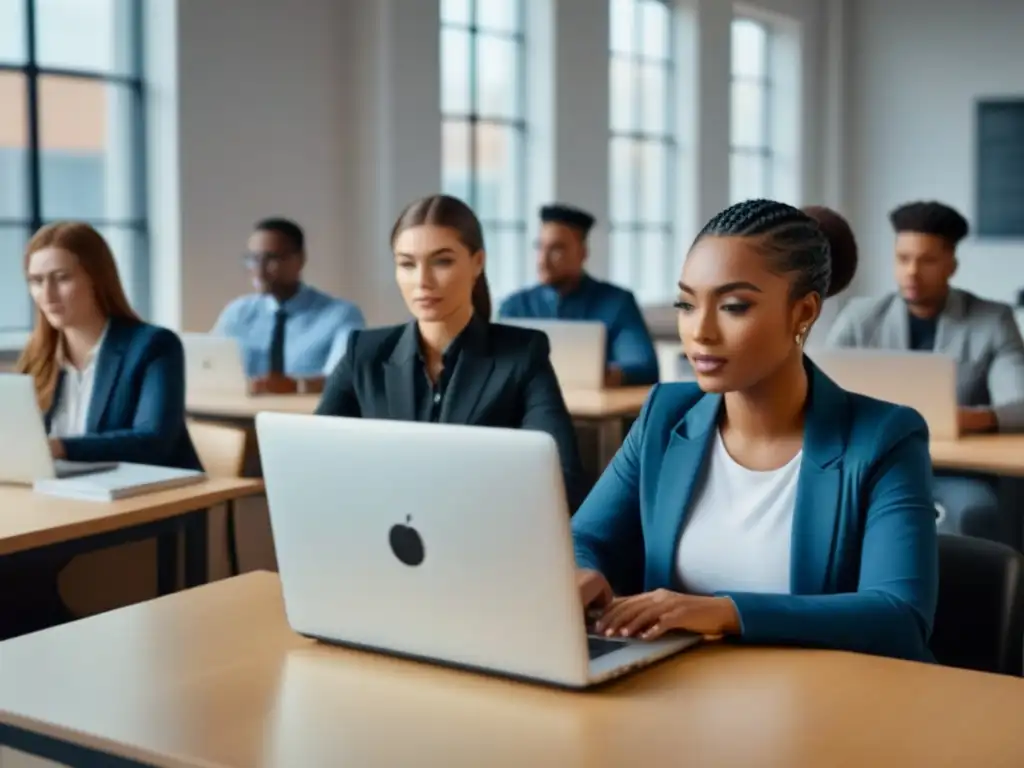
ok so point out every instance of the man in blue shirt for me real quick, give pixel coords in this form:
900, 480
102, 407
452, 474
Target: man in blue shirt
567, 292
292, 335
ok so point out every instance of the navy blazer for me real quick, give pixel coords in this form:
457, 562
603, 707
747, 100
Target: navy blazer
864, 568
137, 409
502, 378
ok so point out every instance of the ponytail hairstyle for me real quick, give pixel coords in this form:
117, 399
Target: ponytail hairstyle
791, 240
450, 212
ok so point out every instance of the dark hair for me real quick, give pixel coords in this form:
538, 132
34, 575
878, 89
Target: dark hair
842, 245
930, 218
286, 227
792, 241
450, 212
574, 218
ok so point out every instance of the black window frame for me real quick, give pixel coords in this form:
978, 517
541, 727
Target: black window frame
765, 150
638, 138
134, 83
472, 118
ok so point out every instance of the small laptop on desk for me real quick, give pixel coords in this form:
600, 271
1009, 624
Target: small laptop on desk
578, 352
24, 448
435, 541
213, 364
924, 381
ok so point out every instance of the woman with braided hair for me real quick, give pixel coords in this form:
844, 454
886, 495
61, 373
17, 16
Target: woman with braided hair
763, 502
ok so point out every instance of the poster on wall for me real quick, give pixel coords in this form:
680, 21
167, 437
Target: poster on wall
999, 176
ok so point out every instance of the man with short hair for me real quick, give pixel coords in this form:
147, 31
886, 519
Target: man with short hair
927, 314
291, 335
567, 292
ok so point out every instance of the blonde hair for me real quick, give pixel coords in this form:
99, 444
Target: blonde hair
40, 356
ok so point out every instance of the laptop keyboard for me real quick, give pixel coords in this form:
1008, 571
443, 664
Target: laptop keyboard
599, 646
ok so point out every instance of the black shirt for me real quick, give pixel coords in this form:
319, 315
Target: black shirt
430, 394
922, 332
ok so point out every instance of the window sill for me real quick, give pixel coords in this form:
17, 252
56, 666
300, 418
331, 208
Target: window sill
11, 344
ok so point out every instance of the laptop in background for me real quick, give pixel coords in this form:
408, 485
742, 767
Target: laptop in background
466, 561
924, 381
578, 350
24, 447
213, 364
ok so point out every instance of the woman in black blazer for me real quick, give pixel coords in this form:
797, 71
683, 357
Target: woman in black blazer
450, 364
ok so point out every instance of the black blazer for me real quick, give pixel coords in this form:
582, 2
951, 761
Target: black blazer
502, 378
137, 410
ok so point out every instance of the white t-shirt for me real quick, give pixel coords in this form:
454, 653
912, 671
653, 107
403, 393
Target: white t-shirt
71, 412
737, 535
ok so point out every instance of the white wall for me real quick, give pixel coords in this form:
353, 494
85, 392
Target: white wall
263, 103
916, 68
331, 116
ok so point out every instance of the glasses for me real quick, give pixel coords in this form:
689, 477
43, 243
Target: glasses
253, 259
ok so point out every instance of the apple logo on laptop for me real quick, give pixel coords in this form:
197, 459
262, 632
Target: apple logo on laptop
406, 543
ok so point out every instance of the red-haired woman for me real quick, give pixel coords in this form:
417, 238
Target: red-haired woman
111, 387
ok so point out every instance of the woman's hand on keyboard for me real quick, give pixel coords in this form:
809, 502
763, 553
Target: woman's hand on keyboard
650, 615
595, 591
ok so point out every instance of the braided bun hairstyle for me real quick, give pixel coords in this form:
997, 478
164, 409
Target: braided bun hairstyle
842, 245
791, 240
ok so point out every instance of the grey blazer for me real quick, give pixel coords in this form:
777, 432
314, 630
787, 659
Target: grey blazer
982, 335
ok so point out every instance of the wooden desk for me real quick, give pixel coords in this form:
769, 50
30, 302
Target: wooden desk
582, 404
213, 677
220, 406
31, 522
624, 402
995, 454
606, 409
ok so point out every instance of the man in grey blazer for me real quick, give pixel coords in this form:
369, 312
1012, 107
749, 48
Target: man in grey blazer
927, 314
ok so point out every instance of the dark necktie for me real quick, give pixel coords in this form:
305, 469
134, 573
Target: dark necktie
277, 342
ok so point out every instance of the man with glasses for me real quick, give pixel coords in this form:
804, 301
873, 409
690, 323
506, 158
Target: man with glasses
291, 335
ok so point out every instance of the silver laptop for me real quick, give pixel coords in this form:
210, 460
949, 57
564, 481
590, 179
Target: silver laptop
213, 364
434, 541
24, 448
922, 380
577, 350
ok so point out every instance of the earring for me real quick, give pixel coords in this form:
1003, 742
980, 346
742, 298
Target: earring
800, 337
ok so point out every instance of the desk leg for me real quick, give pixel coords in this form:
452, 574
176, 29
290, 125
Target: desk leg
197, 548
166, 563
610, 435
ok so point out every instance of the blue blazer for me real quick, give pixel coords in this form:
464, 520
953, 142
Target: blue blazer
137, 410
864, 569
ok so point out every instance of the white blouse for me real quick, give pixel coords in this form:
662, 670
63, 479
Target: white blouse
737, 535
71, 411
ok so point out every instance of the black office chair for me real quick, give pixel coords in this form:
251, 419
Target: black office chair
979, 623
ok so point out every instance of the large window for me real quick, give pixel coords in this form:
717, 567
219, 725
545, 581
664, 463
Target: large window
484, 127
751, 140
643, 148
70, 134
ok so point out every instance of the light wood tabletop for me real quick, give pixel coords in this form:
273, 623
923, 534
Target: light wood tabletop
214, 677
216, 405
997, 454
583, 404
606, 403
29, 520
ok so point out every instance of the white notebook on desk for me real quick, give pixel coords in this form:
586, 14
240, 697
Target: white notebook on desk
122, 482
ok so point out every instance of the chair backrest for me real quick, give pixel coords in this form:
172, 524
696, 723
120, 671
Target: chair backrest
221, 448
979, 623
